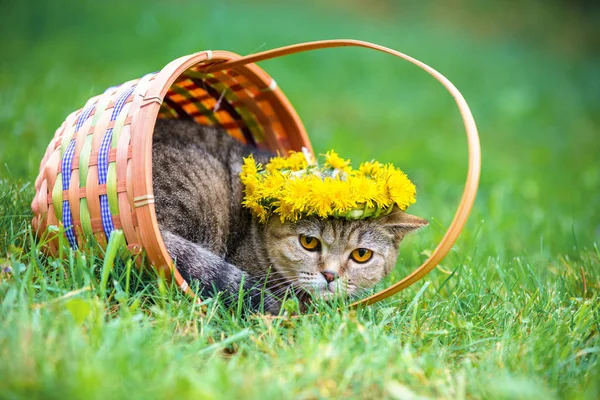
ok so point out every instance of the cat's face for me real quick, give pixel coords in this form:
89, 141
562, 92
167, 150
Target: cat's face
333, 257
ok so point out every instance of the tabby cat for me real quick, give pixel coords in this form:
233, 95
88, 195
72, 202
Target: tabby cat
218, 245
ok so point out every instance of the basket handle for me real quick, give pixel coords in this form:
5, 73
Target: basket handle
474, 152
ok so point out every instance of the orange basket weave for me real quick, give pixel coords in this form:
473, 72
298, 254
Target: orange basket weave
96, 175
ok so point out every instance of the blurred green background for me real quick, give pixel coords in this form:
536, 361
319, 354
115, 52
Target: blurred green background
530, 71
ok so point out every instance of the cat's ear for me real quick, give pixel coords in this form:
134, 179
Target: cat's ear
401, 223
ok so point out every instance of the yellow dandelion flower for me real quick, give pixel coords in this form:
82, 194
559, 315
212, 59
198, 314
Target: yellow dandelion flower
295, 161
320, 201
332, 160
253, 204
261, 214
370, 168
275, 164
401, 190
364, 189
341, 196
382, 199
249, 168
298, 192
272, 185
287, 210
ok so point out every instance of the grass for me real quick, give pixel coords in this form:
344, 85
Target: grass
512, 312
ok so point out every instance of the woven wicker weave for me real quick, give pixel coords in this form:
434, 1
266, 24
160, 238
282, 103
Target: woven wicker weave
96, 175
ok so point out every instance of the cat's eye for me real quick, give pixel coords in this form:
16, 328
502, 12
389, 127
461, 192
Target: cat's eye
310, 243
361, 255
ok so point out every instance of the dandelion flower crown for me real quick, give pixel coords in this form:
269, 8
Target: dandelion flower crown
297, 186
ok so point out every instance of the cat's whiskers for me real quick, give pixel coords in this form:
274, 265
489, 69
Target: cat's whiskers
284, 290
294, 285
279, 285
271, 281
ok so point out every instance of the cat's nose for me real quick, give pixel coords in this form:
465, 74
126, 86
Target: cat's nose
329, 276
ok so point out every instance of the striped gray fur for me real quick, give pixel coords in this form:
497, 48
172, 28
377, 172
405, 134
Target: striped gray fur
217, 244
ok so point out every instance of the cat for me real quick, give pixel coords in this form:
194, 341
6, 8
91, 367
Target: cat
219, 246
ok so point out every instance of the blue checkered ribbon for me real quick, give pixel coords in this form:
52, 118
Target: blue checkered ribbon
107, 222
66, 165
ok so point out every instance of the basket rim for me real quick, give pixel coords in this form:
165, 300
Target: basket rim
473, 148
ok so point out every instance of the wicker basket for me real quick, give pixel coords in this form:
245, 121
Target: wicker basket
96, 175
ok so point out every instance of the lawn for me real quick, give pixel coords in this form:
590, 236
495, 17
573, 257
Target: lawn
512, 312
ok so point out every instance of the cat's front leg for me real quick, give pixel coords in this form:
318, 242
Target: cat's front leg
196, 264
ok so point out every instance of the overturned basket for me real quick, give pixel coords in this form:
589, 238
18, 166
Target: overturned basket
96, 175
